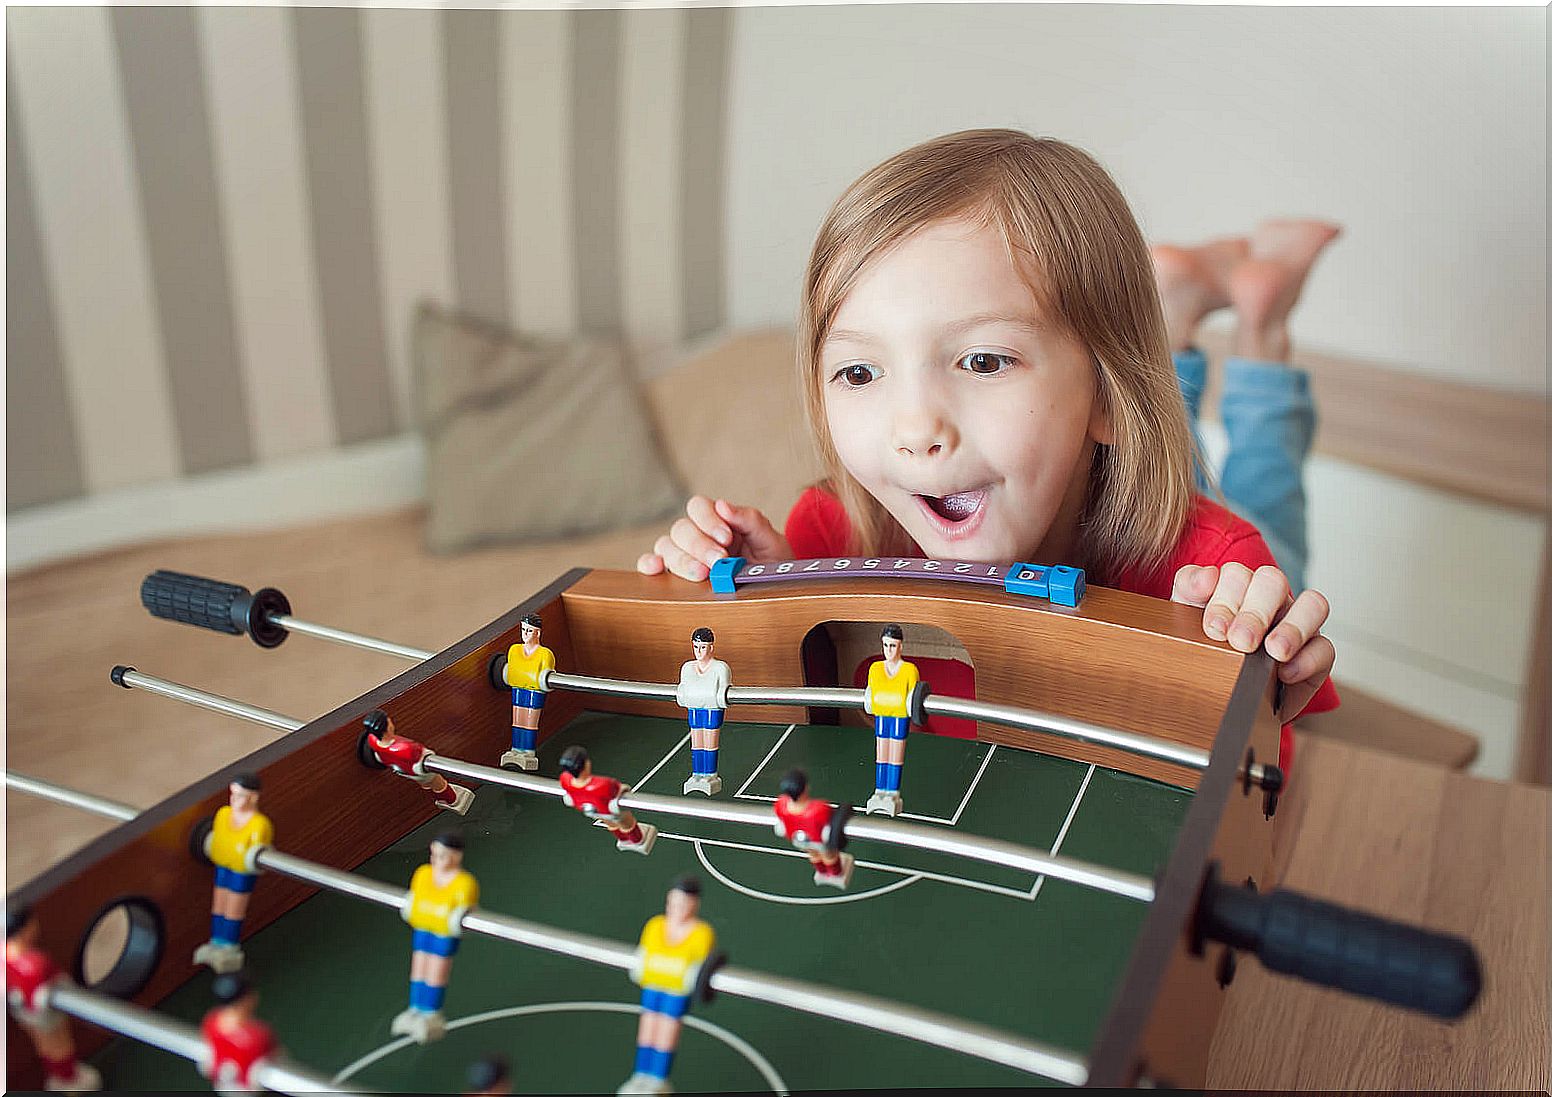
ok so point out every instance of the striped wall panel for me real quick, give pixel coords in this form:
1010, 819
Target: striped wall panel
220, 219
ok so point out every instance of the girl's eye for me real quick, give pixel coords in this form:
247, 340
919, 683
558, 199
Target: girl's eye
854, 376
985, 362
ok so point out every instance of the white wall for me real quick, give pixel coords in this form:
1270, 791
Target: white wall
1422, 130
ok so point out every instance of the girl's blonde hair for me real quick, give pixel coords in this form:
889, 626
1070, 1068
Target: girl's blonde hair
1065, 223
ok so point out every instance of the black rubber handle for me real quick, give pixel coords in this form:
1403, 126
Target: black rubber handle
1333, 946
223, 607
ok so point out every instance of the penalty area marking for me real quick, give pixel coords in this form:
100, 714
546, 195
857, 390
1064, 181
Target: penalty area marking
1056, 846
732, 1040
951, 821
911, 876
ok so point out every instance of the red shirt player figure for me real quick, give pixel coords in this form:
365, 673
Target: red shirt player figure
815, 827
407, 758
29, 974
599, 799
235, 1040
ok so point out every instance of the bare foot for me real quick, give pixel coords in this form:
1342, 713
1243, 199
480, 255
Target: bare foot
1264, 288
1193, 283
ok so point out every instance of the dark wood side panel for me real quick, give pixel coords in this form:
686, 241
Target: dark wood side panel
1162, 1021
315, 791
1119, 660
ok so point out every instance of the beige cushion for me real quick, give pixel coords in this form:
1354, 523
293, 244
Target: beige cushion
531, 439
731, 420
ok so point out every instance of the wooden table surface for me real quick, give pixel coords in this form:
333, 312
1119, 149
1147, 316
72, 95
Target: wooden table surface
1420, 844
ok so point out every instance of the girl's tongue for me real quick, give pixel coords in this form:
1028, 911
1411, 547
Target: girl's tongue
958, 506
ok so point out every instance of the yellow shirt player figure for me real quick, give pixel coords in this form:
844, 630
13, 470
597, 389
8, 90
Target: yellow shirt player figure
528, 671
440, 894
674, 947
237, 834
891, 682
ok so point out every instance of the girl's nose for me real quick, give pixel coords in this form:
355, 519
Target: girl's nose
924, 432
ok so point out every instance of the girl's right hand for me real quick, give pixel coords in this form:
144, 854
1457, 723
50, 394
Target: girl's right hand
709, 531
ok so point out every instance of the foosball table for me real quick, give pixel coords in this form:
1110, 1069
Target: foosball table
1062, 897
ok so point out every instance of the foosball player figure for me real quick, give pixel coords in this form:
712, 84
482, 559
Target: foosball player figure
237, 835
490, 1076
407, 758
528, 669
703, 686
815, 827
29, 974
440, 894
236, 1041
887, 699
598, 798
674, 947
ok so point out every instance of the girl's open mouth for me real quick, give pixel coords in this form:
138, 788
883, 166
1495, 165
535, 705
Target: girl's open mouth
956, 515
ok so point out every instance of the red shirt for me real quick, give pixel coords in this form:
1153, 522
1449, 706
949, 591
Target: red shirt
27, 971
236, 1049
402, 755
599, 797
818, 527
803, 826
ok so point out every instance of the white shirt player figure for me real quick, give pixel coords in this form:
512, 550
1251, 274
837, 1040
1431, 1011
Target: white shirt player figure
703, 686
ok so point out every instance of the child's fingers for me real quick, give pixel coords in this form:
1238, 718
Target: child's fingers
1303, 675
704, 515
679, 562
761, 539
1194, 584
1224, 603
1299, 626
649, 563
693, 541
1265, 598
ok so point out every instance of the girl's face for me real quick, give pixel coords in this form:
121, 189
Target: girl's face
955, 402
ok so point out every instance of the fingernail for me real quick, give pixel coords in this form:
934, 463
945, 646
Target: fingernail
1277, 647
1215, 626
1241, 636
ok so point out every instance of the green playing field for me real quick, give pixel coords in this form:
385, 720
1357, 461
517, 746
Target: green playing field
1033, 956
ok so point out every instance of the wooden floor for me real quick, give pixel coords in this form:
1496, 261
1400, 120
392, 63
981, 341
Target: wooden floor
68, 624
1429, 847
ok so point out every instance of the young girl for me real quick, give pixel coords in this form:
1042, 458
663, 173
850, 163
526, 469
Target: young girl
983, 357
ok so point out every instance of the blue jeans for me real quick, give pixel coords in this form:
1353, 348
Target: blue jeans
1269, 416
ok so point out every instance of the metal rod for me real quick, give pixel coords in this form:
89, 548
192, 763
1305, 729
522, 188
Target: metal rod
84, 801
1147, 746
889, 832
612, 687
816, 696
353, 639
925, 1026
833, 697
1008, 716
178, 1037
130, 678
980, 1041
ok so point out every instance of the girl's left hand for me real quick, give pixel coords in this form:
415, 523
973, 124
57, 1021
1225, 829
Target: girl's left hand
1245, 608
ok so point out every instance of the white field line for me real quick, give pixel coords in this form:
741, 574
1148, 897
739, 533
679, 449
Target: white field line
737, 1043
1056, 846
663, 761
764, 762
960, 810
976, 885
